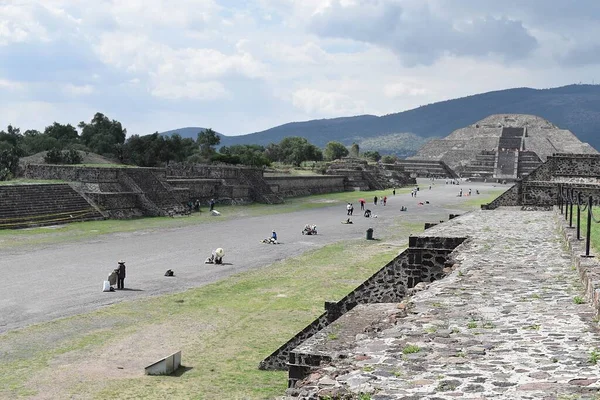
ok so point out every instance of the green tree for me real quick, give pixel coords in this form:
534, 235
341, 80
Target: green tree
10, 152
372, 155
335, 151
247, 154
102, 135
294, 150
63, 134
354, 150
389, 159
36, 141
207, 140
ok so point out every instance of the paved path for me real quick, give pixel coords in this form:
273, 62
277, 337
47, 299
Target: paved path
504, 325
59, 280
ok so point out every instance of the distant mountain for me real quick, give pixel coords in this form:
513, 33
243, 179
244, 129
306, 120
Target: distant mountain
573, 107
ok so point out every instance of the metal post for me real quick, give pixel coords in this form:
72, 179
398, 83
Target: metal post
578, 215
566, 204
571, 206
560, 198
589, 228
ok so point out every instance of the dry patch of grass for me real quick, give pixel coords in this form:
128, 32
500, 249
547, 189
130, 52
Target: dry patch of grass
223, 330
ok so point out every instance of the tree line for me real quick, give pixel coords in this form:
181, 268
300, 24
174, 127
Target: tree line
63, 144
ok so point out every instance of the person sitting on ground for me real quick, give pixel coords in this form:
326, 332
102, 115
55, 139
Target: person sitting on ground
169, 273
274, 236
112, 278
216, 257
368, 213
348, 221
402, 208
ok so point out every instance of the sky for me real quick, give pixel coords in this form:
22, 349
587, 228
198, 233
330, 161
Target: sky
241, 66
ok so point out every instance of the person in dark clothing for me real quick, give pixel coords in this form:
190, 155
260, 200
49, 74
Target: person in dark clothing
212, 204
351, 209
121, 275
375, 200
362, 205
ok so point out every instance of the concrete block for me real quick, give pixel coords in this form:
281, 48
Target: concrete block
165, 366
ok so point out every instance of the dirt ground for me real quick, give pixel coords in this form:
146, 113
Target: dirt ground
49, 282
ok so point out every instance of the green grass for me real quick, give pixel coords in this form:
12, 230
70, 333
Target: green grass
594, 356
578, 300
594, 231
223, 329
23, 181
410, 349
85, 230
476, 201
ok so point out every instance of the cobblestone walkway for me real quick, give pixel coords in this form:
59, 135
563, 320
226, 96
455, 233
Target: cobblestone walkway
505, 324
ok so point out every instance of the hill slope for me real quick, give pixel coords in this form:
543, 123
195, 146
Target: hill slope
573, 107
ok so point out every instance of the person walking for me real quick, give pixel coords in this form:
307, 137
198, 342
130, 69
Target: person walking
362, 205
348, 209
212, 204
375, 200
351, 209
384, 200
121, 275
394, 192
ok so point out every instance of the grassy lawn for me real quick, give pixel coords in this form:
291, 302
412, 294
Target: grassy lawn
476, 201
85, 230
594, 232
223, 330
24, 181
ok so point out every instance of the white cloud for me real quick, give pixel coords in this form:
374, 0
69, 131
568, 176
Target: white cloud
272, 61
398, 89
313, 101
193, 90
78, 90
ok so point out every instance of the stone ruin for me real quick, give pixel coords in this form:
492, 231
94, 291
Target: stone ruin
92, 193
360, 175
502, 146
491, 303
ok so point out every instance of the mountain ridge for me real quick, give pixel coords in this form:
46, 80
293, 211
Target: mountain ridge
572, 107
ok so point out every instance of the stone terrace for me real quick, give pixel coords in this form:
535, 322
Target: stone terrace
503, 324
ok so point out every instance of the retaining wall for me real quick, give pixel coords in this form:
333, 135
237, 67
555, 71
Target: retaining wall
389, 284
291, 186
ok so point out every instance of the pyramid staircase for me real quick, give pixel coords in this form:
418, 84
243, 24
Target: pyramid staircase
24, 206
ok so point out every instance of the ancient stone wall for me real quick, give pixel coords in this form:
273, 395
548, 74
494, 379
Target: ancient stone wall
71, 173
290, 186
117, 205
389, 284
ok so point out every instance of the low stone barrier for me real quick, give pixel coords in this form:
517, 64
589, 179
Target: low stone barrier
587, 267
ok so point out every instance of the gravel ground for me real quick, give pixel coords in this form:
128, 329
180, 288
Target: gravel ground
49, 282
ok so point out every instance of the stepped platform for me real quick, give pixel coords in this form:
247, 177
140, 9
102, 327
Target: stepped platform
23, 206
426, 168
502, 323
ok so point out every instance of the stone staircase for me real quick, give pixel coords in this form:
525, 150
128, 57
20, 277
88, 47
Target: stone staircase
23, 206
158, 199
528, 162
482, 166
261, 191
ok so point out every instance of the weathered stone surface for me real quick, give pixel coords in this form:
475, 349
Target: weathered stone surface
513, 330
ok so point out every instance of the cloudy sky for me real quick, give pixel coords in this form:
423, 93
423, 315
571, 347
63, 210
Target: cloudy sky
241, 66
